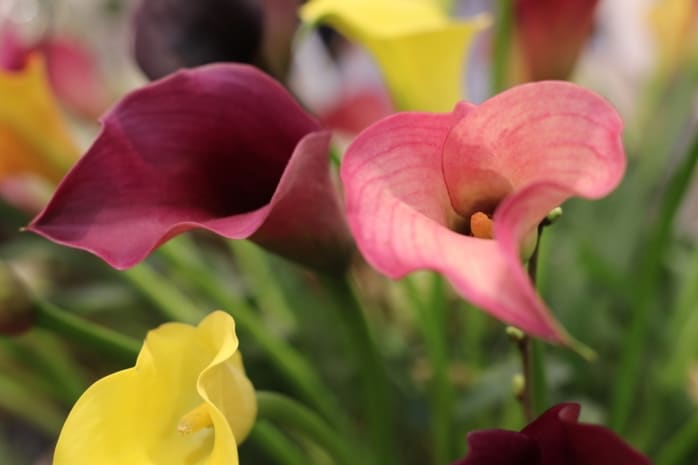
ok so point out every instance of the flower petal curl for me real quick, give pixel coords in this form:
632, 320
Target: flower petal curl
222, 147
402, 36
131, 416
400, 175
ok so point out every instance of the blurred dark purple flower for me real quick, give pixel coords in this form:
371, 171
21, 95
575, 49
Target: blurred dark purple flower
174, 34
554, 438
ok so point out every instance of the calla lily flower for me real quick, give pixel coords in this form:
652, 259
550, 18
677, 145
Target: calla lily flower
33, 137
550, 35
174, 34
187, 400
402, 37
462, 193
222, 147
554, 438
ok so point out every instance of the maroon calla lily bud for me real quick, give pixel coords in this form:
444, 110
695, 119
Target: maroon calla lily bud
222, 147
554, 438
174, 34
551, 35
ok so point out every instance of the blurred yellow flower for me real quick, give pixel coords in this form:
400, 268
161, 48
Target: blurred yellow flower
187, 401
675, 26
420, 50
33, 136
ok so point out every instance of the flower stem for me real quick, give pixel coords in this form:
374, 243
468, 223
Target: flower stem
533, 394
625, 387
117, 346
286, 411
275, 444
432, 320
679, 447
171, 302
367, 359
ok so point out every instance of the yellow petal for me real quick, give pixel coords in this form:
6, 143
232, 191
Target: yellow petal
420, 51
33, 137
131, 417
674, 23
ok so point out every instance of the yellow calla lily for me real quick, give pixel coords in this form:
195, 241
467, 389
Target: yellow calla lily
674, 24
420, 50
187, 401
33, 137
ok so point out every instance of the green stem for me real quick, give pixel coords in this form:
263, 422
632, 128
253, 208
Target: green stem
19, 400
286, 358
683, 327
275, 444
107, 341
677, 450
432, 321
539, 391
502, 45
533, 398
374, 380
258, 274
171, 301
625, 387
539, 381
286, 411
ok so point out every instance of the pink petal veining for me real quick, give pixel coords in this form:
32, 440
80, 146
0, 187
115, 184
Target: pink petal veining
413, 179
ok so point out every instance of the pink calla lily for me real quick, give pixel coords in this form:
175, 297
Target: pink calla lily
414, 180
222, 147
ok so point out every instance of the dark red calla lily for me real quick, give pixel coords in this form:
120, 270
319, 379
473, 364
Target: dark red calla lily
554, 438
222, 147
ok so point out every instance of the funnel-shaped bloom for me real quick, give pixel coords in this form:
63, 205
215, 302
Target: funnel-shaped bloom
33, 137
187, 400
550, 35
419, 186
420, 51
222, 147
554, 438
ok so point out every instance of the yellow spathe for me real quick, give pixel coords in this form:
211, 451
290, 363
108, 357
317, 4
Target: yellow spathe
33, 137
675, 26
419, 49
137, 416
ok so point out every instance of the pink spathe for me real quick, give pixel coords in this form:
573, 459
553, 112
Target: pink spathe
412, 180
